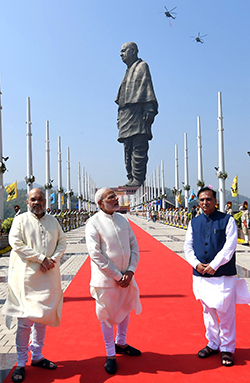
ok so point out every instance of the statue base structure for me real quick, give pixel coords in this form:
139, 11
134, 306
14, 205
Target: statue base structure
124, 193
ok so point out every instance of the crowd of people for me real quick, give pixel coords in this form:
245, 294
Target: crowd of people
180, 217
69, 219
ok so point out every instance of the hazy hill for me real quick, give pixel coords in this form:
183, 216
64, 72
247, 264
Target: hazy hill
21, 201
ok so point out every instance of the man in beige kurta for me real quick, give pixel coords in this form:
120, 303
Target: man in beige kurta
34, 283
114, 257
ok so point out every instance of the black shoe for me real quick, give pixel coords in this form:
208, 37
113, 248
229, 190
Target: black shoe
110, 366
128, 350
18, 374
206, 352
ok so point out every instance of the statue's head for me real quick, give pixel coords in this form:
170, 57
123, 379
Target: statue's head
129, 53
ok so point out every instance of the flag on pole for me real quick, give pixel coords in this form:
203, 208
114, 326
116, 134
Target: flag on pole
179, 198
63, 199
52, 198
192, 196
234, 187
11, 190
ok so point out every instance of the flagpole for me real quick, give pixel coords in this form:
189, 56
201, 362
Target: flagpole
222, 179
162, 184
158, 185
238, 193
83, 187
176, 175
155, 196
48, 182
68, 181
29, 179
3, 168
199, 148
60, 189
87, 191
79, 186
186, 179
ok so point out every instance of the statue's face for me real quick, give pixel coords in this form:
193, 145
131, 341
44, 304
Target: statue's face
127, 53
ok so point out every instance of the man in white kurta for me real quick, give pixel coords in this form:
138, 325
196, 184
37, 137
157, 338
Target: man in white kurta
210, 245
34, 283
114, 257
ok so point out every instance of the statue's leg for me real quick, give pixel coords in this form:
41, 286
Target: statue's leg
139, 158
127, 156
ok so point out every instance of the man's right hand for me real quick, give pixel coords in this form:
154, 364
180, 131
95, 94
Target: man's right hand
47, 264
201, 268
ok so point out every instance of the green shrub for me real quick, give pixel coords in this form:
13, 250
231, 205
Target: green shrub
6, 225
237, 218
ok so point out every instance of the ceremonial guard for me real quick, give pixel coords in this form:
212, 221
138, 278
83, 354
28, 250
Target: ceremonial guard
182, 217
229, 209
185, 217
176, 217
172, 216
245, 222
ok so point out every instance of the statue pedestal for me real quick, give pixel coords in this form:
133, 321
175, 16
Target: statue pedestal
125, 190
123, 194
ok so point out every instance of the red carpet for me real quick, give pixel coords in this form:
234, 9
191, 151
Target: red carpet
169, 331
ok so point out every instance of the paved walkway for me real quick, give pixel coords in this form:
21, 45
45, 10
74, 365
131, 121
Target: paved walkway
73, 259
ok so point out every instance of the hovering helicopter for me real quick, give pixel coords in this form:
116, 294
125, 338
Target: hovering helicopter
198, 38
170, 13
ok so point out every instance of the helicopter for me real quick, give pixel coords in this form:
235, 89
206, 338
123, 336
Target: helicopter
198, 38
170, 13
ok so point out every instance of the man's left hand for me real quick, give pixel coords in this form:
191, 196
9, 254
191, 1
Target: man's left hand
126, 279
47, 264
209, 270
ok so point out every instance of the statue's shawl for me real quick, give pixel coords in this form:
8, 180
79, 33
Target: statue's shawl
138, 85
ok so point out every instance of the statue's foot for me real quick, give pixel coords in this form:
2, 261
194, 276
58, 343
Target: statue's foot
128, 183
135, 184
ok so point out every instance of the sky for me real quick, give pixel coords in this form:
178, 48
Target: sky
65, 56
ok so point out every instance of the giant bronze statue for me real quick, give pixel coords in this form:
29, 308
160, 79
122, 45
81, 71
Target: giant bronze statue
137, 109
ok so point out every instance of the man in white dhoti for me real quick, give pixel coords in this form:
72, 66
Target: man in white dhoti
114, 257
210, 245
34, 283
